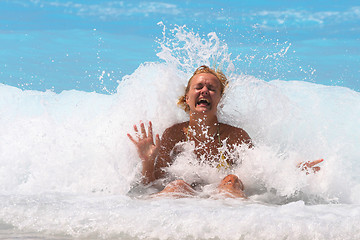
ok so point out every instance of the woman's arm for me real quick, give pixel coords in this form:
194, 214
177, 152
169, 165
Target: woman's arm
169, 139
147, 150
155, 156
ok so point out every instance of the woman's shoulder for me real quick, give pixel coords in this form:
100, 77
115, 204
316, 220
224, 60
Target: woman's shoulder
234, 134
176, 131
230, 128
179, 125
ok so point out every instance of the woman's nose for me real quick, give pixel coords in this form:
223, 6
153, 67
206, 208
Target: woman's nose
204, 91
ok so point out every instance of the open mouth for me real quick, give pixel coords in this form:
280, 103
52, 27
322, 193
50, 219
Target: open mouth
203, 102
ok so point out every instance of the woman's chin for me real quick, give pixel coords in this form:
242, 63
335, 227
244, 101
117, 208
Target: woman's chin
203, 111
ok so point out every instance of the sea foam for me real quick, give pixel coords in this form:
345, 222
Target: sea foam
67, 164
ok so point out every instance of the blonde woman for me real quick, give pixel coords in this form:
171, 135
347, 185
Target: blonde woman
202, 96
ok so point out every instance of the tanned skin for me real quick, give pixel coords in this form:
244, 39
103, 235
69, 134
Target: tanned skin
178, 133
202, 98
203, 94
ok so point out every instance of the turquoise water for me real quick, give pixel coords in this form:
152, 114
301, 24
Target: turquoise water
54, 45
76, 76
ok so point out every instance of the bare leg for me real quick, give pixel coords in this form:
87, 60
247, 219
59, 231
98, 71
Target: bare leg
177, 189
231, 186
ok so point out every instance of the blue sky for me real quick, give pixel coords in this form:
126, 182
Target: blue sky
324, 35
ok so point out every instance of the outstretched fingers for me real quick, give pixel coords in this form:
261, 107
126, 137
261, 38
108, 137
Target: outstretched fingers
142, 134
157, 140
150, 132
157, 137
136, 134
313, 163
143, 131
135, 128
316, 169
131, 138
306, 166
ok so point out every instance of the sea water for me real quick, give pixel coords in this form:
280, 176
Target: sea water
67, 167
67, 164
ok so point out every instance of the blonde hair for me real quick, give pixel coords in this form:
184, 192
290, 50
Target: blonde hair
203, 69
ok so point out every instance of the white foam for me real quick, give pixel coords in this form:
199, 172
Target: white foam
66, 163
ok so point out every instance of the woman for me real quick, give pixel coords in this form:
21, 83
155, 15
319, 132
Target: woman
202, 96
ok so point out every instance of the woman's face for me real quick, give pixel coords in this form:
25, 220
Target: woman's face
204, 94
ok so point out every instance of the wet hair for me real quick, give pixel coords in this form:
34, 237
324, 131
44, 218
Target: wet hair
203, 69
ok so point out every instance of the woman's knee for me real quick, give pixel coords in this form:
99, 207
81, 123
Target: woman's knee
178, 182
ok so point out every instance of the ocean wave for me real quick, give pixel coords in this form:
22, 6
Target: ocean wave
66, 164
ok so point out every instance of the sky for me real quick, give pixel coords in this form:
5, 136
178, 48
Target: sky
63, 45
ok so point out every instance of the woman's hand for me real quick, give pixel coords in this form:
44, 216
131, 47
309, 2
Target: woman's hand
147, 149
310, 165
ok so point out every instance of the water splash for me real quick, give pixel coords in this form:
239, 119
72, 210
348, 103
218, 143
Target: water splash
67, 164
188, 50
